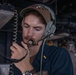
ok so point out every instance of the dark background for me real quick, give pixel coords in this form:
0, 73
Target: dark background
65, 11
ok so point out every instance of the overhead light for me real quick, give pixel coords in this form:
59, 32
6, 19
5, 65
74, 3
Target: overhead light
6, 13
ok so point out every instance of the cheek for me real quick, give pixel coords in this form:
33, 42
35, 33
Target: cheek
38, 35
24, 32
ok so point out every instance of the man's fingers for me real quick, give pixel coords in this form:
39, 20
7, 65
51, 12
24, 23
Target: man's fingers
15, 45
24, 45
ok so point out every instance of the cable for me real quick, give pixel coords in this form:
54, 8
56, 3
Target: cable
42, 56
14, 60
15, 27
14, 39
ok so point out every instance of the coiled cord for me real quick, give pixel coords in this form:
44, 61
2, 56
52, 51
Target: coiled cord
14, 37
15, 26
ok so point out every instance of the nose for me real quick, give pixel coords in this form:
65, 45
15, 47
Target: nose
30, 32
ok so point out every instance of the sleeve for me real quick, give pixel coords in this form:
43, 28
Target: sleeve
16, 71
61, 64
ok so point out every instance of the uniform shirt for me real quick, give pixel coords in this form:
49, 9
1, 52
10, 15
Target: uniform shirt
56, 61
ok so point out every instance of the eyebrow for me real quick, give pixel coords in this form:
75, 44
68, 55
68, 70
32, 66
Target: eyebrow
34, 27
27, 24
38, 27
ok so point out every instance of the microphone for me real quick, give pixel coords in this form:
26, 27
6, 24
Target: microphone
33, 42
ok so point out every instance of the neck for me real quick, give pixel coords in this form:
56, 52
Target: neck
34, 49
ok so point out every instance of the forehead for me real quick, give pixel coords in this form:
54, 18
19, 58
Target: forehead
33, 20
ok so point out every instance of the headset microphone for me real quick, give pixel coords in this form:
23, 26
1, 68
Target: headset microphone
32, 42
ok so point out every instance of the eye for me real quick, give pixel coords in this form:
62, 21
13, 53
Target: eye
38, 29
26, 26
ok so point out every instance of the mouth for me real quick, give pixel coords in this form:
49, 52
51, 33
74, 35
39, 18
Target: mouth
27, 41
31, 42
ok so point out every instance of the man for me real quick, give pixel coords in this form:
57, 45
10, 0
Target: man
41, 59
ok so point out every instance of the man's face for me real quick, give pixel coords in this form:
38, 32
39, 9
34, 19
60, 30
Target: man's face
33, 28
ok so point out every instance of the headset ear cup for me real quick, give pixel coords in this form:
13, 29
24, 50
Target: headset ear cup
50, 29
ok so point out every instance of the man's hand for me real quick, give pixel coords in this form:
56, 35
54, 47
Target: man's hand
17, 53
